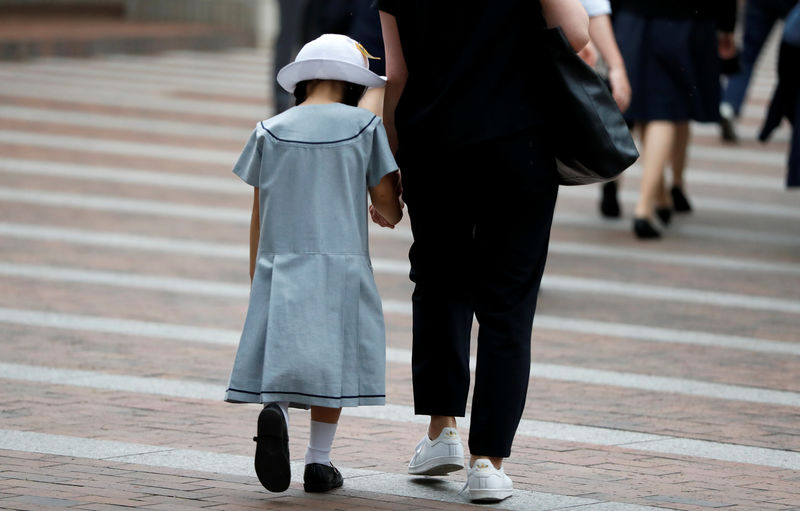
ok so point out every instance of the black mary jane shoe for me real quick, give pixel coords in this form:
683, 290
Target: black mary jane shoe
644, 230
679, 200
664, 214
609, 205
320, 478
272, 450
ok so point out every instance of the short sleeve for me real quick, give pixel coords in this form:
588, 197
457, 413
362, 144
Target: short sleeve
381, 161
248, 167
597, 7
389, 6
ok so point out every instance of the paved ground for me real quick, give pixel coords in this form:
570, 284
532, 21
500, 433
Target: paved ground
82, 30
665, 375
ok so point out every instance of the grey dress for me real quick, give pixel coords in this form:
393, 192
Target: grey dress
314, 332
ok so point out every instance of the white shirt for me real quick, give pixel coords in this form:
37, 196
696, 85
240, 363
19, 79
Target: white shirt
597, 7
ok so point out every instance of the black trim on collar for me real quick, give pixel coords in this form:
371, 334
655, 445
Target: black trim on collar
273, 135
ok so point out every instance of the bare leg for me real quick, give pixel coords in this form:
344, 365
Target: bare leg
438, 423
327, 415
662, 195
682, 135
657, 140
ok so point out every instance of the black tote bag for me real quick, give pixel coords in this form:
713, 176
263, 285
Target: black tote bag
591, 141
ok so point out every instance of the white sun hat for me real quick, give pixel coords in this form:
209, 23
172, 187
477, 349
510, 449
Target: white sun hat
330, 57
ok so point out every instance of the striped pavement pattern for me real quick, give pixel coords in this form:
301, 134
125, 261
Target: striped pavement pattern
664, 375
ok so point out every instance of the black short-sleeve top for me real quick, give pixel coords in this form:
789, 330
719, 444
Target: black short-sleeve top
471, 69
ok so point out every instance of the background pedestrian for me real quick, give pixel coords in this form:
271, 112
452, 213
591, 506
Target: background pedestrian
292, 33
672, 53
786, 99
760, 16
304, 20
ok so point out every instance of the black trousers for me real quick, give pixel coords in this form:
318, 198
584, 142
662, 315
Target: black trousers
481, 217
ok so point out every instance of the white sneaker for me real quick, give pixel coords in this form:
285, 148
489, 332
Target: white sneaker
438, 457
486, 483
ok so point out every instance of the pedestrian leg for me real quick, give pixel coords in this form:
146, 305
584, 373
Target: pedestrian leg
658, 139
679, 157
320, 475
441, 263
511, 240
759, 20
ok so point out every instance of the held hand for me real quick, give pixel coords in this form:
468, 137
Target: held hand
726, 45
378, 218
620, 87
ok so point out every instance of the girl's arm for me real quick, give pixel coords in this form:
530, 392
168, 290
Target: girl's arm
396, 75
255, 229
602, 35
385, 198
571, 17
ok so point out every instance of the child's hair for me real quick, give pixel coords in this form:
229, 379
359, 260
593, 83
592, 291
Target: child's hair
352, 93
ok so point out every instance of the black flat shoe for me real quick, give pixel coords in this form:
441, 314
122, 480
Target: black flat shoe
664, 214
728, 130
679, 201
319, 478
272, 450
609, 205
727, 127
644, 230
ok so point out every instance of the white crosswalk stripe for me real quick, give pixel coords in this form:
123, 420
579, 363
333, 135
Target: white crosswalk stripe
202, 461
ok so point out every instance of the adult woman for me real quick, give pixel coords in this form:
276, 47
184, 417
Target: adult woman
671, 50
464, 112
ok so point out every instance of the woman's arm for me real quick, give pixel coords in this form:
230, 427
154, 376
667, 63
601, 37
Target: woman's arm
396, 75
386, 200
571, 17
255, 230
602, 35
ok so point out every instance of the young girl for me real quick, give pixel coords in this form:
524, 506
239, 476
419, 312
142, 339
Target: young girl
314, 333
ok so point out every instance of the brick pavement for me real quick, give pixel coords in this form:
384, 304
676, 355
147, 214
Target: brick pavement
617, 443
59, 32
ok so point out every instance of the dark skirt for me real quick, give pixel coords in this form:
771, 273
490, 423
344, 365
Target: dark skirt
673, 67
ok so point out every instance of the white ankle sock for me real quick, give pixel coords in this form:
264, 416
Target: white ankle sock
284, 408
320, 442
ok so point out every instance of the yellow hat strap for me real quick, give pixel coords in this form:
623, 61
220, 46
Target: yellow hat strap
365, 52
